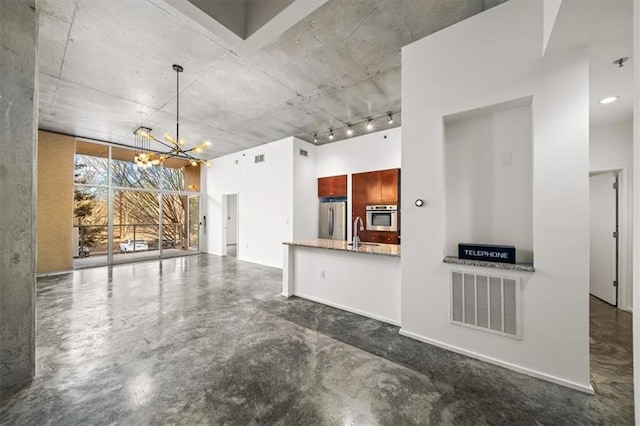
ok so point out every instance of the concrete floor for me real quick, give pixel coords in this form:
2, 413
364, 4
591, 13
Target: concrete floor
208, 340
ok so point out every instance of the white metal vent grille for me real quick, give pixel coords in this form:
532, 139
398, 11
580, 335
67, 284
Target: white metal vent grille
486, 303
259, 158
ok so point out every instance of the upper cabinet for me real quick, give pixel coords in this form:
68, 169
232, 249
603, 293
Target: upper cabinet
333, 186
382, 186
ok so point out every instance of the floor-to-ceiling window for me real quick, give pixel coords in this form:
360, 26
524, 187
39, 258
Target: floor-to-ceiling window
125, 213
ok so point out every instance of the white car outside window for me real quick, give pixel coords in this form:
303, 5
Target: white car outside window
133, 245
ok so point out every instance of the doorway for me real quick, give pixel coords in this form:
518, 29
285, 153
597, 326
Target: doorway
231, 225
604, 247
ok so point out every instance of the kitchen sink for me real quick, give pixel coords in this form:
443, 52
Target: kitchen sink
364, 244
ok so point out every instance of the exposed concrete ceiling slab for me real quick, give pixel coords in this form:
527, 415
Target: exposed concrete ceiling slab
106, 69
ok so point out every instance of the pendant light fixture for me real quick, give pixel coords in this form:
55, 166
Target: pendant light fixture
146, 157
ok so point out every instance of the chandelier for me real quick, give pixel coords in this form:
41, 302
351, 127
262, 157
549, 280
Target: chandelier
146, 157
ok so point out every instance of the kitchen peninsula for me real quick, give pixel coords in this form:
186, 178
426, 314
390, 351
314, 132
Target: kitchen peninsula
364, 281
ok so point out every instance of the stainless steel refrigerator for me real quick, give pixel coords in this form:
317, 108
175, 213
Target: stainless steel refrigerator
333, 220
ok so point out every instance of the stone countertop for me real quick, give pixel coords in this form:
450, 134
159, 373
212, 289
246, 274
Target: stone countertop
524, 267
379, 249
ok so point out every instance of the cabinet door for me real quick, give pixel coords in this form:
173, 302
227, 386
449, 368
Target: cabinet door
389, 186
333, 186
324, 187
339, 186
359, 195
373, 188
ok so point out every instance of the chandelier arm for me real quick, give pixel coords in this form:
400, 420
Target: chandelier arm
162, 143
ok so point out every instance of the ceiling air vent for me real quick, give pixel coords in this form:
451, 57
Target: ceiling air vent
304, 153
259, 158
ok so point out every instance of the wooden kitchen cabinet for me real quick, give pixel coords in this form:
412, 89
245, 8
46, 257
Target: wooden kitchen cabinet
382, 237
332, 186
383, 186
359, 195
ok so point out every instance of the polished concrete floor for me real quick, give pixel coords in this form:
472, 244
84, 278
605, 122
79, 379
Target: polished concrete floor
208, 340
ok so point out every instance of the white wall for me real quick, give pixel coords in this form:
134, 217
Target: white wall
636, 206
305, 191
265, 201
267, 195
360, 154
611, 148
489, 176
491, 58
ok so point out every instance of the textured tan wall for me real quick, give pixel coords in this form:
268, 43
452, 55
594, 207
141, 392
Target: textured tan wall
55, 202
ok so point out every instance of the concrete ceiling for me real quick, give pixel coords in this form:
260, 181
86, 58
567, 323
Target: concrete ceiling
106, 68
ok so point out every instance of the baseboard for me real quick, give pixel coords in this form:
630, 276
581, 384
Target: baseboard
287, 295
490, 360
345, 308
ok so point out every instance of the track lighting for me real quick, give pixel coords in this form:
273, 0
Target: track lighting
354, 128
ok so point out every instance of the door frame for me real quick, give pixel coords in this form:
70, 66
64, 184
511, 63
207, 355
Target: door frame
225, 220
624, 217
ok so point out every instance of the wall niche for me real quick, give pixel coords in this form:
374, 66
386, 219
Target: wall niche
489, 177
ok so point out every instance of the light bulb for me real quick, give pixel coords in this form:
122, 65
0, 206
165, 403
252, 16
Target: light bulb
390, 119
315, 138
369, 125
182, 141
169, 138
197, 149
349, 130
194, 163
208, 164
207, 143
330, 134
155, 162
609, 100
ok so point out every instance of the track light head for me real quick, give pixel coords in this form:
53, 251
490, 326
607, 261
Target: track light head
389, 119
331, 134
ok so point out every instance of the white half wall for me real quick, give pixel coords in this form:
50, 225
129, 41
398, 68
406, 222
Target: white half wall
611, 149
369, 152
488, 59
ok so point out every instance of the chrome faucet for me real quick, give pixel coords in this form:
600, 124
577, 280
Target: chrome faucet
356, 239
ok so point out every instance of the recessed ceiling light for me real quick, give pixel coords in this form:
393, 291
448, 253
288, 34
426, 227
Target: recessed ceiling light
369, 125
609, 99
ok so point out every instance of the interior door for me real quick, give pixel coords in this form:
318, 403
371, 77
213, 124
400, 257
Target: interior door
603, 264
